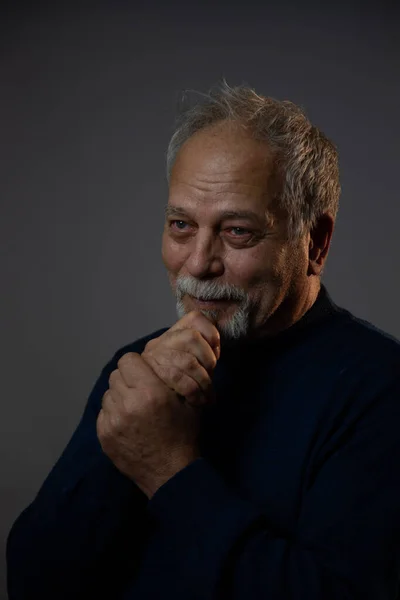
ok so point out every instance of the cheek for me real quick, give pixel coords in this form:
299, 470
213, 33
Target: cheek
250, 267
171, 256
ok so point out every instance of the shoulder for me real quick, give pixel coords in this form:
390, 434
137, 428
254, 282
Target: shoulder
362, 364
361, 340
359, 372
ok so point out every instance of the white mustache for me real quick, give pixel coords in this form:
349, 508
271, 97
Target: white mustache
208, 291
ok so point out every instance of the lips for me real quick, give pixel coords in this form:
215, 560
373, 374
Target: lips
209, 302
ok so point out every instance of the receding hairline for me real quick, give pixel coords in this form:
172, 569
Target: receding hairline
238, 145
229, 128
307, 158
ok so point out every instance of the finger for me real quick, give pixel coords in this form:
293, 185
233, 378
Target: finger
135, 371
181, 372
193, 342
188, 390
185, 340
116, 382
196, 320
178, 328
100, 424
110, 400
108, 419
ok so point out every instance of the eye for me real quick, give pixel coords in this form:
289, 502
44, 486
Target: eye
177, 224
239, 231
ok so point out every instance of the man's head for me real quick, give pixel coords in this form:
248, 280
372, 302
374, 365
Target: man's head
253, 196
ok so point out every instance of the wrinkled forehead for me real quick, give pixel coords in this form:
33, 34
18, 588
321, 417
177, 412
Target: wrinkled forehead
223, 152
224, 164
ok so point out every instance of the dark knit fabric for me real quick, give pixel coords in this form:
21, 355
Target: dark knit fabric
296, 494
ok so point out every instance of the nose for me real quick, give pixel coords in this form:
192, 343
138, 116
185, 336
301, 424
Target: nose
205, 257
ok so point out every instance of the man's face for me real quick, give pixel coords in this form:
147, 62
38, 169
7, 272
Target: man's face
223, 239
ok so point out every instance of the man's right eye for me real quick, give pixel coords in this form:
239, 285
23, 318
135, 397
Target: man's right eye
177, 224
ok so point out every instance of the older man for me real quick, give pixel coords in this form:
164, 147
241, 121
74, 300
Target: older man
251, 450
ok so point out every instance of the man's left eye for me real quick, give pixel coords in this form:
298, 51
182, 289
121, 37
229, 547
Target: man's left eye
239, 231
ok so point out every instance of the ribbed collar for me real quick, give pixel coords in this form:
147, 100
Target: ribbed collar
323, 309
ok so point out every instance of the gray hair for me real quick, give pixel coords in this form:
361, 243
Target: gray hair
307, 159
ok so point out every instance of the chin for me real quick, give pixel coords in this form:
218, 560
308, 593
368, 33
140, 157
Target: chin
231, 325
213, 315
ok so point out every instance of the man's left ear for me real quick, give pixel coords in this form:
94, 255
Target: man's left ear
320, 239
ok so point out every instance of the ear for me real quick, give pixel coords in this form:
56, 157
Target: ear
320, 239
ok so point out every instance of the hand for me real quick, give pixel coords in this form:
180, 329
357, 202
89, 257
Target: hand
143, 427
185, 356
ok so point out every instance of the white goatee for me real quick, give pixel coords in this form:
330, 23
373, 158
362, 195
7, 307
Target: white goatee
237, 326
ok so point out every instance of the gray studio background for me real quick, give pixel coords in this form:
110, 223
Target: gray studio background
87, 103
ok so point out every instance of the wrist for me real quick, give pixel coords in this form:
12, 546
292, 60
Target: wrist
150, 486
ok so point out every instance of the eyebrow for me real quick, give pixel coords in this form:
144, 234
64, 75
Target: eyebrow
230, 214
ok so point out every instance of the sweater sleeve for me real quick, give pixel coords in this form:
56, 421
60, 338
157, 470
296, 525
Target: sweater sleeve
347, 542
64, 543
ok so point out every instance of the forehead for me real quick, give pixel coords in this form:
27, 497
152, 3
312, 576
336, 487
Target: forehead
222, 150
221, 168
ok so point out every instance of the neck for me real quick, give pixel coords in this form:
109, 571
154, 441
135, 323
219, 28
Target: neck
292, 308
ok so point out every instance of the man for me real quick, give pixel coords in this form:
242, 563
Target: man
252, 449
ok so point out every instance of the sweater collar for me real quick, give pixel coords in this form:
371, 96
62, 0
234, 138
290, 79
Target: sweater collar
323, 309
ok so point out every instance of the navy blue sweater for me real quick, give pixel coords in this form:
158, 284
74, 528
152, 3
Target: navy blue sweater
296, 494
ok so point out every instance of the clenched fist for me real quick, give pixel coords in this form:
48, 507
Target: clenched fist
185, 356
143, 426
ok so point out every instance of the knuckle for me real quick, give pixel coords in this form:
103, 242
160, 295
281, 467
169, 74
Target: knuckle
175, 375
205, 381
106, 399
193, 335
126, 359
150, 344
174, 356
158, 349
189, 387
172, 339
190, 362
148, 356
212, 361
114, 375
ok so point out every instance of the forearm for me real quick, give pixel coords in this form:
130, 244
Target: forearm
84, 512
229, 550
58, 546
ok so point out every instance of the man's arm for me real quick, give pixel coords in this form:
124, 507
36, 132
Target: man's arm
347, 543
85, 529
